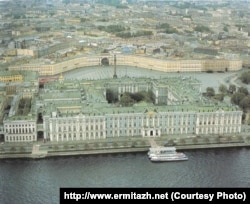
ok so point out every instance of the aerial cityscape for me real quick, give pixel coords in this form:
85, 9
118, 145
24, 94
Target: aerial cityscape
123, 93
42, 42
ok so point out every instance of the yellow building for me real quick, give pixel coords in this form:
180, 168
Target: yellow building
8, 77
3, 102
135, 61
73, 20
25, 52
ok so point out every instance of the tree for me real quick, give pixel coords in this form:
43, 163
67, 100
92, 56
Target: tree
170, 30
171, 142
182, 141
86, 146
125, 144
83, 20
217, 139
219, 97
124, 35
112, 28
167, 28
232, 88
135, 34
137, 96
66, 147
248, 139
104, 145
142, 96
245, 77
206, 139
96, 145
243, 90
55, 147
245, 102
210, 92
195, 140
202, 28
111, 96
133, 144
22, 149
225, 29
61, 20
223, 89
143, 143
163, 26
126, 99
237, 97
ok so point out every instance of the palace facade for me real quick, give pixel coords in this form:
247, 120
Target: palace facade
89, 116
142, 124
66, 110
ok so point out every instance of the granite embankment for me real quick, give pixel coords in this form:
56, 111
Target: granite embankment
117, 145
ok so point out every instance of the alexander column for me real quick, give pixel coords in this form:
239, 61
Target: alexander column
115, 75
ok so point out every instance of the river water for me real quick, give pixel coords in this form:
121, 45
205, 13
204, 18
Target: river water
25, 181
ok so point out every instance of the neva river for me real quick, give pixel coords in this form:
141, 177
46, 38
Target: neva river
25, 181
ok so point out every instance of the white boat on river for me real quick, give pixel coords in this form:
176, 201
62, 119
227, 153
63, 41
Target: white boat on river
165, 154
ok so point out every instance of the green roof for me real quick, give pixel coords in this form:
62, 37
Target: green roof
87, 97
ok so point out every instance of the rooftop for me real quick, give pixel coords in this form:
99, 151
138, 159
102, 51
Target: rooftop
88, 97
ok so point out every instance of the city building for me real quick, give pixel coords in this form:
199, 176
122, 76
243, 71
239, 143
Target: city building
48, 69
19, 115
47, 38
81, 110
66, 110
